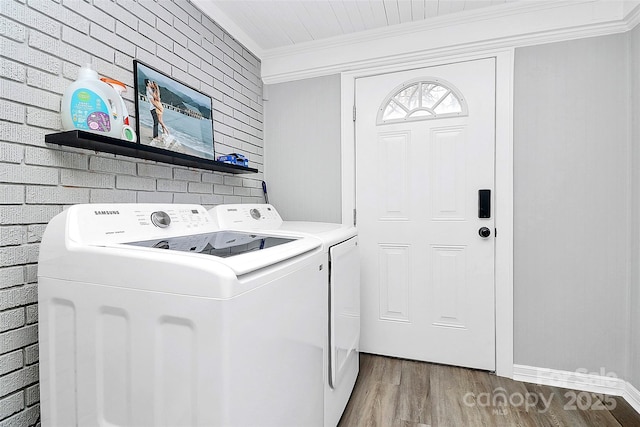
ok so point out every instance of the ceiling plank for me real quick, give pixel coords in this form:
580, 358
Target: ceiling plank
430, 9
391, 11
342, 16
417, 10
379, 13
355, 14
404, 11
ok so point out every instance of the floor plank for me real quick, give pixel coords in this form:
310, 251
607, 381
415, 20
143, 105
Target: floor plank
392, 392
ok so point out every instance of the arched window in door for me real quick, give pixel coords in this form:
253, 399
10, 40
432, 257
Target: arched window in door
422, 99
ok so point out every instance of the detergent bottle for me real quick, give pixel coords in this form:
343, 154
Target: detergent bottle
127, 131
92, 105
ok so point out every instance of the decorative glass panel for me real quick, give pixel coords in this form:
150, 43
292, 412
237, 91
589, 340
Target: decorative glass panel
422, 99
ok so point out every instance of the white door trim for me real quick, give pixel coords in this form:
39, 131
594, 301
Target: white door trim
503, 181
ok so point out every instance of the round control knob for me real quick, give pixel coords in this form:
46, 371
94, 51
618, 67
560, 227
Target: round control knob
484, 232
255, 213
160, 219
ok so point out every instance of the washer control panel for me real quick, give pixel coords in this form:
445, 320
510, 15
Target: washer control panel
126, 222
253, 216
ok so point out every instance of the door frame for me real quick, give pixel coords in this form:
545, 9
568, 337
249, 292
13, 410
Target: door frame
503, 178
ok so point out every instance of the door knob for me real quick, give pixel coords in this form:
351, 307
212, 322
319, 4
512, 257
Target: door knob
484, 232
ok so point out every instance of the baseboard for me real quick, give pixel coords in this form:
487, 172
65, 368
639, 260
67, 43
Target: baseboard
594, 382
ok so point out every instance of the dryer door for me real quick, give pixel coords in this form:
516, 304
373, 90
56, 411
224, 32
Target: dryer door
344, 311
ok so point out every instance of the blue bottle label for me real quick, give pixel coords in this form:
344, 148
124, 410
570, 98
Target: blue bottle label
89, 111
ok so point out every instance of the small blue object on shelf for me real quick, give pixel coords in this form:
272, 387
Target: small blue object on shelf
234, 159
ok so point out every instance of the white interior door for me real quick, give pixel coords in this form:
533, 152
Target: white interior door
425, 142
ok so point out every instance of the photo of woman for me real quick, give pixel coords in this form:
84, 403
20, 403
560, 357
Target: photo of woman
171, 115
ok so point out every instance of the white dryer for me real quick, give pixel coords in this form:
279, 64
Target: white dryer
342, 298
152, 315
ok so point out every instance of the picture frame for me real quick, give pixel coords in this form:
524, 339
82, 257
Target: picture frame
171, 115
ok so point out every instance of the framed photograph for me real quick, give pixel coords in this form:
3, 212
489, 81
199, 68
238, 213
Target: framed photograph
171, 115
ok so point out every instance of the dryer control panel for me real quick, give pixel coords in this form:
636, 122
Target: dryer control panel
252, 216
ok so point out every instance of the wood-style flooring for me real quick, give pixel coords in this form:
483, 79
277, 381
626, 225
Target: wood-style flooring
393, 392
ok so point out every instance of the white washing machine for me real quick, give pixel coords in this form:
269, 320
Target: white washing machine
150, 315
342, 298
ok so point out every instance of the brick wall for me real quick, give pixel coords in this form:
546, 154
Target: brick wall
42, 45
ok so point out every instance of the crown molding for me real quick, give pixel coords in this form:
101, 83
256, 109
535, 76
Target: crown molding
513, 25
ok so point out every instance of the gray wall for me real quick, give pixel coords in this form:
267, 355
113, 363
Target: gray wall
42, 44
634, 294
302, 154
572, 166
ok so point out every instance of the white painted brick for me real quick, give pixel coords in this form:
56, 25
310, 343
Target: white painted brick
116, 166
212, 26
30, 18
92, 13
200, 51
11, 362
219, 43
187, 30
231, 200
11, 236
233, 44
86, 179
204, 32
17, 255
35, 232
32, 395
174, 10
31, 314
11, 276
116, 41
63, 159
170, 58
31, 57
12, 112
12, 319
12, 70
252, 183
173, 186
241, 191
124, 61
144, 37
108, 69
213, 178
150, 58
193, 11
12, 30
55, 47
217, 84
186, 198
18, 338
59, 13
257, 192
31, 273
210, 47
44, 119
11, 194
171, 32
77, 40
46, 81
186, 175
29, 95
28, 417
212, 199
31, 354
185, 78
27, 214
154, 171
200, 187
28, 174
18, 379
119, 13
222, 189
232, 180
56, 195
154, 197
136, 9
112, 196
187, 55
159, 12
135, 183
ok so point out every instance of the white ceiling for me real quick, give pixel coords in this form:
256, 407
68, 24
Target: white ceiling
271, 24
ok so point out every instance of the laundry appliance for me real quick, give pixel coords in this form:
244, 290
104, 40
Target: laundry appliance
342, 298
150, 314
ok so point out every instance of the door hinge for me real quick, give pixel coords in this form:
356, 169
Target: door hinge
495, 232
354, 113
355, 217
